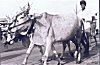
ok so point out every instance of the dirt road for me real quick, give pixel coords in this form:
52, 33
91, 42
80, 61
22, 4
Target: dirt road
15, 54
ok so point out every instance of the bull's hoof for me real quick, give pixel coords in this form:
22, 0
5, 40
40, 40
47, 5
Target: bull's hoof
86, 54
62, 58
7, 43
72, 54
11, 43
40, 60
23, 64
60, 64
78, 62
6, 46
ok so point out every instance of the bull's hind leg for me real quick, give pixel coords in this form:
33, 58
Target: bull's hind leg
78, 52
56, 54
41, 50
64, 47
54, 51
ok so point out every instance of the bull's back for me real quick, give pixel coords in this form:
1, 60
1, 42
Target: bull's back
64, 26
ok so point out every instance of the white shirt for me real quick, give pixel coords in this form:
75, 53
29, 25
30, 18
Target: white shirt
86, 14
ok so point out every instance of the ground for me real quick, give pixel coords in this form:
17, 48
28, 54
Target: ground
15, 54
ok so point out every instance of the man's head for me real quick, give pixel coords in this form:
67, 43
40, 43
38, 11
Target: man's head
83, 4
95, 14
93, 18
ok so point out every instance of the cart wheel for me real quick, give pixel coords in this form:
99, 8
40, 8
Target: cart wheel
25, 41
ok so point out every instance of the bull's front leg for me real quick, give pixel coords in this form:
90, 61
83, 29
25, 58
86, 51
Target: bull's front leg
77, 54
47, 50
28, 52
78, 60
54, 51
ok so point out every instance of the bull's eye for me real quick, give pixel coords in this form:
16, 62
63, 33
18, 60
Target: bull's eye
21, 17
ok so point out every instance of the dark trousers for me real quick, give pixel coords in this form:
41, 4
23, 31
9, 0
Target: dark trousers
85, 41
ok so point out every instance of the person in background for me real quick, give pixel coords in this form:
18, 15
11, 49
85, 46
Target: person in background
97, 22
93, 29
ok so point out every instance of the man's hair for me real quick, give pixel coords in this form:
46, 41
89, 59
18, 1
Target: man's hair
93, 18
83, 2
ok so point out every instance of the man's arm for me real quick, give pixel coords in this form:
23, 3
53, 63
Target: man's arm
83, 25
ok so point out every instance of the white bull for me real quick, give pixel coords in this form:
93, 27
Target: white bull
56, 28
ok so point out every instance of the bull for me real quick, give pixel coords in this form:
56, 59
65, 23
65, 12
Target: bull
56, 28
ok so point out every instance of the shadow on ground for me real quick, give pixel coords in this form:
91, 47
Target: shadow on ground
68, 58
10, 57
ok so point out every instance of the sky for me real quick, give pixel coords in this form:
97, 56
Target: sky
11, 7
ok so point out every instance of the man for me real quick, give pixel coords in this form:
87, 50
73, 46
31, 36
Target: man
97, 22
84, 36
82, 14
93, 30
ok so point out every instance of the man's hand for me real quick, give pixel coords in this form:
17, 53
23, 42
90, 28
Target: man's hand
83, 19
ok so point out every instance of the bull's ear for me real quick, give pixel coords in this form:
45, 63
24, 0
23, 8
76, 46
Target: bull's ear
21, 17
22, 9
28, 6
8, 17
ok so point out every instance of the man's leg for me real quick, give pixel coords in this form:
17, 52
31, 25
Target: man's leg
95, 39
86, 43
